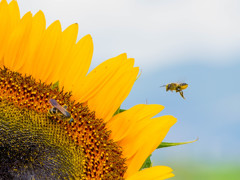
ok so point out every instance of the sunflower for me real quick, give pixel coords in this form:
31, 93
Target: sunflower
93, 142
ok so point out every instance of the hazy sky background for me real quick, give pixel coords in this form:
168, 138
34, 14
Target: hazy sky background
171, 40
158, 33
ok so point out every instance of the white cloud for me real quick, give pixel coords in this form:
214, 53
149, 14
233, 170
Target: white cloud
156, 33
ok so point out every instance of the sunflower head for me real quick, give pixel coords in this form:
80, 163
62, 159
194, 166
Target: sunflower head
96, 143
36, 144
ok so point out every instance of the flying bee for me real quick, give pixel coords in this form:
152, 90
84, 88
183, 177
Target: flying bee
178, 87
58, 108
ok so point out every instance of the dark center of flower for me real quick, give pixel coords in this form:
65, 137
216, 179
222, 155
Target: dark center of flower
35, 145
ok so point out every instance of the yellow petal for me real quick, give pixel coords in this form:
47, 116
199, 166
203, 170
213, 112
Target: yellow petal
69, 37
4, 30
146, 138
9, 18
17, 42
75, 71
124, 123
108, 85
97, 78
108, 100
153, 173
48, 52
14, 14
34, 39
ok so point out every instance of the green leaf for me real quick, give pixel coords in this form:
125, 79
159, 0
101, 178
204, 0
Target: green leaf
119, 111
55, 85
139, 74
147, 163
168, 144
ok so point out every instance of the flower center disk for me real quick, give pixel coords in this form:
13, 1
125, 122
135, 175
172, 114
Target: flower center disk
36, 145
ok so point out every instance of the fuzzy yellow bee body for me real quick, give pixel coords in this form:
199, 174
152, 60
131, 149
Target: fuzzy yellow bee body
178, 87
57, 108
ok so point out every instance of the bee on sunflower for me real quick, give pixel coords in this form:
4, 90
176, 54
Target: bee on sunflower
96, 143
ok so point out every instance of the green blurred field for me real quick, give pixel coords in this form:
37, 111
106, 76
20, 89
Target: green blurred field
188, 171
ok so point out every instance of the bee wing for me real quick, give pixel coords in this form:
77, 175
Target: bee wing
55, 104
64, 111
182, 82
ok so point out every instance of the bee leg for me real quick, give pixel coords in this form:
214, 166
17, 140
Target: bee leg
71, 120
49, 114
181, 93
54, 110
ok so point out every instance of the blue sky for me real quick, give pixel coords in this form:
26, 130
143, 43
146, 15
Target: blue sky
210, 111
190, 41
